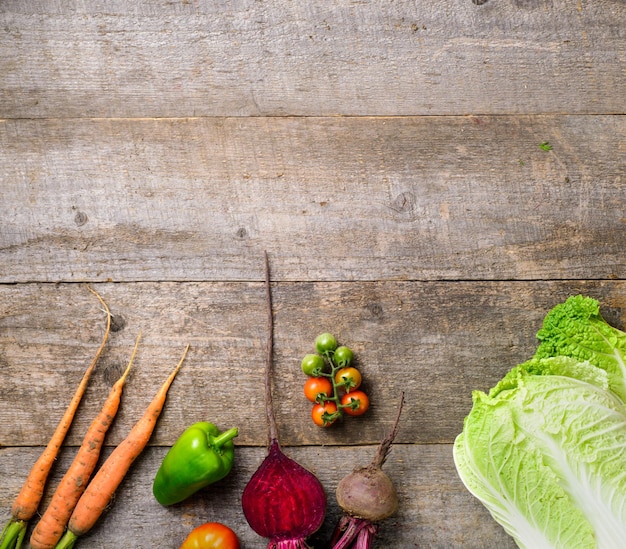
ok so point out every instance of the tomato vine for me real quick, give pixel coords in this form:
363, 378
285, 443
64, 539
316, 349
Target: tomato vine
333, 383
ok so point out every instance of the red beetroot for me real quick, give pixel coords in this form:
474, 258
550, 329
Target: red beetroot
283, 501
367, 496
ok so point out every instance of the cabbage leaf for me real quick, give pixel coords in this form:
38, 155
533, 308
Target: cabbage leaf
576, 329
545, 452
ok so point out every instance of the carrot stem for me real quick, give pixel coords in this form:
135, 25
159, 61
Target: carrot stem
68, 540
52, 524
28, 500
13, 534
105, 482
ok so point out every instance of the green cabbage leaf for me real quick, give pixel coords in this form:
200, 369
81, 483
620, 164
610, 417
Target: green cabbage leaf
576, 328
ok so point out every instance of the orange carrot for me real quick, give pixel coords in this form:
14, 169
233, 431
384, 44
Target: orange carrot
52, 524
105, 482
27, 501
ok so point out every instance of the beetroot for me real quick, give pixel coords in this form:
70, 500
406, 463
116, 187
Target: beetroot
283, 501
367, 496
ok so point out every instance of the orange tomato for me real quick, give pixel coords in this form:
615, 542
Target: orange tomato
362, 400
211, 535
349, 378
316, 385
321, 412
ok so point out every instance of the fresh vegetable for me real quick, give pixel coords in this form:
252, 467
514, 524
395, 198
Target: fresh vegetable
52, 524
199, 457
283, 501
544, 449
544, 452
324, 414
576, 329
211, 535
355, 403
316, 386
105, 482
343, 356
325, 343
330, 375
348, 378
312, 364
27, 501
367, 497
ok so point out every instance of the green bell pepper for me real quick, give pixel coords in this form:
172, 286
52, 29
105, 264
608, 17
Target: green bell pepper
201, 456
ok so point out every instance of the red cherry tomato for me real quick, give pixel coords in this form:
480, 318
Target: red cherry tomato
361, 403
316, 385
323, 414
211, 535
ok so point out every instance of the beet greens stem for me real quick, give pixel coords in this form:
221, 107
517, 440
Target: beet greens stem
385, 445
269, 407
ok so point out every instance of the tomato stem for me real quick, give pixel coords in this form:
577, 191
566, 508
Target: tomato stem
334, 368
353, 404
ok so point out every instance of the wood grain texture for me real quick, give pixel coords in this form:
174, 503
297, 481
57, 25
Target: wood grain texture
435, 511
248, 58
418, 198
435, 341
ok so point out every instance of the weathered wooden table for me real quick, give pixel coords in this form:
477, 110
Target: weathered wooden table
386, 155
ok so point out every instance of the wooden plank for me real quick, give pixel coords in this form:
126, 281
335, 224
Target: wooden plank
435, 341
436, 511
417, 198
246, 58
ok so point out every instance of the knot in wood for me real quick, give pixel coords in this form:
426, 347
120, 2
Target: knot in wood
404, 206
80, 218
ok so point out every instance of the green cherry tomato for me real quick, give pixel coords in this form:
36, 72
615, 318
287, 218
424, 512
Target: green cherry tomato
312, 365
325, 343
343, 356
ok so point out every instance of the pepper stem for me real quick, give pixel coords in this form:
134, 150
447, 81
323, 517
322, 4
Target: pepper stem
221, 439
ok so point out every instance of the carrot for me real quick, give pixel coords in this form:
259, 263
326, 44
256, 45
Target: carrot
52, 524
105, 482
29, 498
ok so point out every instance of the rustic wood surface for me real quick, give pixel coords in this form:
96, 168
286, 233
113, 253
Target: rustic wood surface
386, 155
251, 58
330, 199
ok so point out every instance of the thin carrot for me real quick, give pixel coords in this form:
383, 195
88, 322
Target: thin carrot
105, 482
29, 498
52, 524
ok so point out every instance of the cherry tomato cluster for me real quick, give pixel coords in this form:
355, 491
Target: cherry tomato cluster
333, 384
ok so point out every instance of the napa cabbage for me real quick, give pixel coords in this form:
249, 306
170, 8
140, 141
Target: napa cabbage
545, 449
